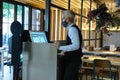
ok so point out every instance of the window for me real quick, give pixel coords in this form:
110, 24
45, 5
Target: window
26, 17
57, 32
19, 13
36, 14
8, 18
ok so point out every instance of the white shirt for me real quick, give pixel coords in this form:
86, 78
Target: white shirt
74, 36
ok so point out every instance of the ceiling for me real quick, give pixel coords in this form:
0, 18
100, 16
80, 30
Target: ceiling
61, 3
75, 4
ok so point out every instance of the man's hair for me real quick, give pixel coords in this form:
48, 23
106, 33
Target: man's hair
68, 13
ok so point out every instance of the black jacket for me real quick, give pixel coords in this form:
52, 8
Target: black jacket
68, 42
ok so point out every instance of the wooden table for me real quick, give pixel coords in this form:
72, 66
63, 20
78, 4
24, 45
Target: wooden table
90, 58
103, 53
115, 61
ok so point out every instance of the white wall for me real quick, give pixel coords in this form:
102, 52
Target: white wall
113, 39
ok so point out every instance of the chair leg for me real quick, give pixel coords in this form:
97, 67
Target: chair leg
10, 68
97, 77
86, 74
80, 74
116, 76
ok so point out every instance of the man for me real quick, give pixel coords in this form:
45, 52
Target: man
71, 59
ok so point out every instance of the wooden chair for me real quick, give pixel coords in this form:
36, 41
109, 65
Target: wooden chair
103, 69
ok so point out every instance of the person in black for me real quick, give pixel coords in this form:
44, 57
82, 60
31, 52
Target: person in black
72, 51
15, 47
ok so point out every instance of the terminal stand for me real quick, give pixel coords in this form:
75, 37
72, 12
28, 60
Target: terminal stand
39, 61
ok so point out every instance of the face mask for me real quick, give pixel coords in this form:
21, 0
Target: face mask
64, 23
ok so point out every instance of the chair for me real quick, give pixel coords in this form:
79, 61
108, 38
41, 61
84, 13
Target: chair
86, 70
103, 69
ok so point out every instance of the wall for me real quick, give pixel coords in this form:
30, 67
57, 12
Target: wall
113, 39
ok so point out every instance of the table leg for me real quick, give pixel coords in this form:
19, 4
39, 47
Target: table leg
2, 63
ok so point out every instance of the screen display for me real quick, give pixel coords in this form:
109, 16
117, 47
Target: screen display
38, 37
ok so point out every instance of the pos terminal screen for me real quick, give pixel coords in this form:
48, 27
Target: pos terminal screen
38, 37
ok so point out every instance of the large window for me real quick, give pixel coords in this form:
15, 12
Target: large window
19, 13
12, 12
33, 20
8, 18
26, 18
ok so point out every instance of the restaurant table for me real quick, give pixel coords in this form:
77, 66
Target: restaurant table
90, 58
115, 61
102, 53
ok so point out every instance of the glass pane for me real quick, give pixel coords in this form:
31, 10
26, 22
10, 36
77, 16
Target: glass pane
86, 7
92, 43
92, 35
86, 34
57, 32
26, 17
86, 44
11, 13
85, 28
93, 25
5, 12
98, 44
19, 13
36, 14
8, 18
98, 35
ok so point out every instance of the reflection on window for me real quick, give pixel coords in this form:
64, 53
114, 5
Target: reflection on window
19, 13
36, 19
26, 14
8, 18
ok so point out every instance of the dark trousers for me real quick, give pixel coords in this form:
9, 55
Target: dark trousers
15, 72
68, 67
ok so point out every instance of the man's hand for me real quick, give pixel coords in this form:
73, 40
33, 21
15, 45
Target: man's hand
62, 54
57, 44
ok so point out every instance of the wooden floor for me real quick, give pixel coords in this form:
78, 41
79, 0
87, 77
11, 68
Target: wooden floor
9, 75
